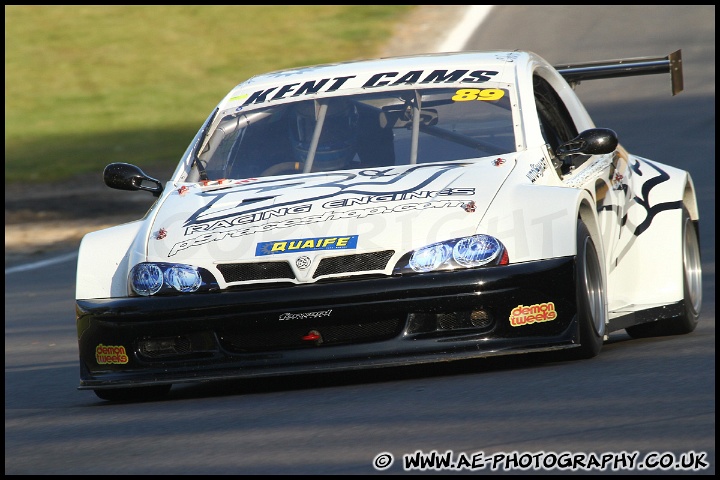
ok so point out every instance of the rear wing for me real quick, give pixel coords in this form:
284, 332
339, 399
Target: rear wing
626, 67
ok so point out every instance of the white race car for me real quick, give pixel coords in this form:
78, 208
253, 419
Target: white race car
390, 212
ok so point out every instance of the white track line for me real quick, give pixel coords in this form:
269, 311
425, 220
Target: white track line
42, 263
458, 38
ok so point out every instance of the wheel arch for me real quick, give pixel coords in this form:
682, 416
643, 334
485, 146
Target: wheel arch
588, 215
587, 212
689, 199
102, 262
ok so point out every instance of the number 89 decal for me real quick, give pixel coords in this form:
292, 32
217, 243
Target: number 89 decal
468, 94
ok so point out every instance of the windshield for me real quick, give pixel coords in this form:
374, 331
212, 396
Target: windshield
361, 131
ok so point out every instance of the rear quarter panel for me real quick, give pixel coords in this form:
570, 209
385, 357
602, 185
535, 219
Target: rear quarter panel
647, 267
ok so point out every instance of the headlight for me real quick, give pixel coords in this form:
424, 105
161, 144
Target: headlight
183, 278
429, 258
152, 278
466, 252
477, 250
146, 279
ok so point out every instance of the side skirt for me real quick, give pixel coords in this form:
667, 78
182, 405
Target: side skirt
645, 316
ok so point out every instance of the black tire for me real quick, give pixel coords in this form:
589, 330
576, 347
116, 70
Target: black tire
591, 297
687, 321
138, 394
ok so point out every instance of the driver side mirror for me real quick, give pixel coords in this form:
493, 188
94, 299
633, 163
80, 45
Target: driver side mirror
595, 141
124, 176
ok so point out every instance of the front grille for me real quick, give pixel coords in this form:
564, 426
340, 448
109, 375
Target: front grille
298, 337
243, 272
361, 262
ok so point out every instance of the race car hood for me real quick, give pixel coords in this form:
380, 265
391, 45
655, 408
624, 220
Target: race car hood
391, 208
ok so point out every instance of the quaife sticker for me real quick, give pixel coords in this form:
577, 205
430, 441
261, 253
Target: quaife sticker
110, 354
540, 312
306, 244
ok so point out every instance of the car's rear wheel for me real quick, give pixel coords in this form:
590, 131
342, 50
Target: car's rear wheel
692, 289
137, 394
591, 297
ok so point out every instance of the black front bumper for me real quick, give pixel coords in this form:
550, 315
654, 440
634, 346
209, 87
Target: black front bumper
352, 324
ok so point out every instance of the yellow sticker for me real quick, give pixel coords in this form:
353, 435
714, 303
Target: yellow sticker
540, 312
110, 355
469, 94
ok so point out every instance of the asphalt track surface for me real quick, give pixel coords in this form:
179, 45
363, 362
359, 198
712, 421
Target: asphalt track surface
651, 396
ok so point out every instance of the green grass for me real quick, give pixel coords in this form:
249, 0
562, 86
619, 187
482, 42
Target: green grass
89, 85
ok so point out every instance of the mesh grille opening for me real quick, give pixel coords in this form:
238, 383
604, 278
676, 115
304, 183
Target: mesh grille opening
361, 262
243, 272
165, 347
478, 319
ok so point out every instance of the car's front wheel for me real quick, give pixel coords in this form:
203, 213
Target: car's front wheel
692, 289
591, 297
137, 394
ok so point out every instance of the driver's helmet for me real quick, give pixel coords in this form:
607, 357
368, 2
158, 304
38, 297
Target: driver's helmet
337, 144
